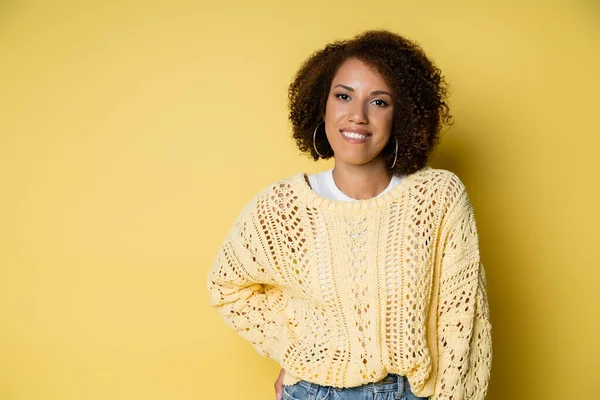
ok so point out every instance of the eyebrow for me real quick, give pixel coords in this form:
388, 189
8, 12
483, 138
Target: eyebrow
373, 92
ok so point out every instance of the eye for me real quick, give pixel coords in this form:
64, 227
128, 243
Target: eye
339, 96
381, 103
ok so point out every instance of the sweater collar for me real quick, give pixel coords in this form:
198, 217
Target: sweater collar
305, 192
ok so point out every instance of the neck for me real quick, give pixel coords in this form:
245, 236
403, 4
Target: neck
361, 182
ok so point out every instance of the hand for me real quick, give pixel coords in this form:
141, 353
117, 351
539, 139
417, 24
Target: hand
279, 385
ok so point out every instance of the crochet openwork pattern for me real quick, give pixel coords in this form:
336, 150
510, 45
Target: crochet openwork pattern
343, 293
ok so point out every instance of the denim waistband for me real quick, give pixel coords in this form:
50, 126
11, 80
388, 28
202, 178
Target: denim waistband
390, 383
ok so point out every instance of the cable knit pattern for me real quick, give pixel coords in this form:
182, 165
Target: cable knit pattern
343, 293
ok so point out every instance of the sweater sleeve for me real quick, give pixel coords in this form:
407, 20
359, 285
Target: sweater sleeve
238, 285
464, 328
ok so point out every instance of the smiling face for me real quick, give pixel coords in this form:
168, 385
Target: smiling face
359, 113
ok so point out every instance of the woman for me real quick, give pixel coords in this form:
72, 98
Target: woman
363, 281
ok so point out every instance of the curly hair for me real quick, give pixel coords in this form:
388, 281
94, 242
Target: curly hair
419, 92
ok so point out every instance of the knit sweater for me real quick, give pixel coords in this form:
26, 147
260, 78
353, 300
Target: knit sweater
343, 293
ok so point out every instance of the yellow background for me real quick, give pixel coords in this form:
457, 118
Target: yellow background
132, 133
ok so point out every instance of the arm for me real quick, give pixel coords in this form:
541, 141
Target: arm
237, 281
464, 328
480, 350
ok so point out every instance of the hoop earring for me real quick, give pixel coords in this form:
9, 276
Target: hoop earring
396, 154
314, 142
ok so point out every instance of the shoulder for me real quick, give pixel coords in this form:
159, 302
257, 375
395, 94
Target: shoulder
279, 188
275, 196
442, 177
452, 192
447, 182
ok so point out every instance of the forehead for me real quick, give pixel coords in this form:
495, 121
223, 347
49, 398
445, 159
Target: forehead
354, 72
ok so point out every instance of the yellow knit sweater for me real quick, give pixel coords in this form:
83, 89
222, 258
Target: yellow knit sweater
343, 293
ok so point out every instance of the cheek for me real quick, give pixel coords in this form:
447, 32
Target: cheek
333, 109
386, 120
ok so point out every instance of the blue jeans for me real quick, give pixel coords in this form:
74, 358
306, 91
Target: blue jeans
392, 387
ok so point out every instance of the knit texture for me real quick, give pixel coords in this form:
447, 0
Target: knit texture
343, 293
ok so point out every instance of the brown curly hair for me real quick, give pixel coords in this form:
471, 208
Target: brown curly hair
419, 92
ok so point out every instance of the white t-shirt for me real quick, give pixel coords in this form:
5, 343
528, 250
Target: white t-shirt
323, 184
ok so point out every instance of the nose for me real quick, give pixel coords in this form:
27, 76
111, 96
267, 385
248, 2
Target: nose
358, 113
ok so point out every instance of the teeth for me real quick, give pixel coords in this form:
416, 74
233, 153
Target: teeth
354, 135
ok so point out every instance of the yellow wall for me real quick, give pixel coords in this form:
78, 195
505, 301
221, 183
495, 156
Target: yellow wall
132, 133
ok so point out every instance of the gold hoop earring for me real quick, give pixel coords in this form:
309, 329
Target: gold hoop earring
314, 141
396, 153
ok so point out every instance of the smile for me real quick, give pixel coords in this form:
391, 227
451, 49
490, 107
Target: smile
354, 137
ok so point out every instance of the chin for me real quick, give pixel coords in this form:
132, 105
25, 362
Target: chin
352, 160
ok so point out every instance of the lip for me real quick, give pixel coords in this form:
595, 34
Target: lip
357, 130
352, 140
